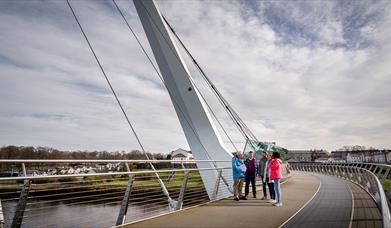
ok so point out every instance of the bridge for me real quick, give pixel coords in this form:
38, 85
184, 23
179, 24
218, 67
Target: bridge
174, 195
166, 193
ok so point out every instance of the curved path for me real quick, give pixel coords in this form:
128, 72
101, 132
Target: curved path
310, 200
243, 214
331, 207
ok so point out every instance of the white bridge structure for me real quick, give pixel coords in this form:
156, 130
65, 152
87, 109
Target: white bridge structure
142, 189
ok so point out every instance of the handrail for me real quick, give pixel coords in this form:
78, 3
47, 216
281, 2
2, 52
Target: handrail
109, 174
342, 163
101, 161
383, 200
125, 188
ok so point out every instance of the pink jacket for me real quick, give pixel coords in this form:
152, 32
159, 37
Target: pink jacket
275, 169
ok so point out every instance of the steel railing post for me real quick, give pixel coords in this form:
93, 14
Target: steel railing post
385, 176
1, 216
125, 201
21, 206
379, 172
217, 184
182, 191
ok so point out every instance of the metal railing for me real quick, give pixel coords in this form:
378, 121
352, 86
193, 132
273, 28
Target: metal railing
103, 193
382, 171
361, 176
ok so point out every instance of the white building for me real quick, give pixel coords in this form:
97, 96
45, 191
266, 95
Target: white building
181, 155
355, 157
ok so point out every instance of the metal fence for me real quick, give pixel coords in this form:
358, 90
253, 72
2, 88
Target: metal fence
105, 193
102, 193
362, 176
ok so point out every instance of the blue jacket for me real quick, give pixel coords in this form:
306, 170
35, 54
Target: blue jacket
237, 164
255, 167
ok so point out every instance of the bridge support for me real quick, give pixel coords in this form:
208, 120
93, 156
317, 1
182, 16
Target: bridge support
125, 201
183, 190
1, 216
201, 133
217, 185
21, 206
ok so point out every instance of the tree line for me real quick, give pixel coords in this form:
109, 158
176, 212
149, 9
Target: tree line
29, 152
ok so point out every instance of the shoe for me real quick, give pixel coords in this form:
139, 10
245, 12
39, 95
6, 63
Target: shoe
243, 198
236, 198
278, 204
272, 201
264, 198
255, 196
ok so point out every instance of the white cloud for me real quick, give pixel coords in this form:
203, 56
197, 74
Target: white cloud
323, 89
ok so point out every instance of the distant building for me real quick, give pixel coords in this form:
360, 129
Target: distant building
181, 155
370, 155
306, 155
298, 155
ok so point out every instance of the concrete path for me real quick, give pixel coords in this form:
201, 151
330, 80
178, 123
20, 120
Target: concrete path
366, 213
297, 191
331, 207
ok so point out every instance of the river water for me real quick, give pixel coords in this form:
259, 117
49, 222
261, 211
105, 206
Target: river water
85, 215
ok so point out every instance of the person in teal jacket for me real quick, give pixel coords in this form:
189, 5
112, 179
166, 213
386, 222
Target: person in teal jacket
238, 170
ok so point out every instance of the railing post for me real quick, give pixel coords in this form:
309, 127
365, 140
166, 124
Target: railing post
385, 175
21, 206
1, 216
227, 184
216, 188
375, 169
125, 201
182, 191
380, 171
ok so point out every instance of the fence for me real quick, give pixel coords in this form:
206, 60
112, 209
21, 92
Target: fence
102, 193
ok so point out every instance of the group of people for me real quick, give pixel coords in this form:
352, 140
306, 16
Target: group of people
268, 169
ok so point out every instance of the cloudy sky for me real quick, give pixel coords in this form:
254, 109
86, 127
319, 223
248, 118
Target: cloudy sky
306, 74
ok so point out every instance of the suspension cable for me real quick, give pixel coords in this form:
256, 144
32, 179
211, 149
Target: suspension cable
162, 79
173, 98
231, 112
237, 122
164, 189
173, 51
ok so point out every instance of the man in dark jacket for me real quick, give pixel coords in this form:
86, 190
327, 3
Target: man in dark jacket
251, 173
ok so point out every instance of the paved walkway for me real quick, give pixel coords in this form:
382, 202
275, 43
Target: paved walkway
331, 207
329, 202
244, 214
366, 213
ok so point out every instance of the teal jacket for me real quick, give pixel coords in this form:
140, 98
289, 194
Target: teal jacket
237, 171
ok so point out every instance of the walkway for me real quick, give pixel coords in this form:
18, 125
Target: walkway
366, 213
310, 200
331, 207
251, 213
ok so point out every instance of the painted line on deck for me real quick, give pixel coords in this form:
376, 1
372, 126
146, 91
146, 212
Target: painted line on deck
320, 184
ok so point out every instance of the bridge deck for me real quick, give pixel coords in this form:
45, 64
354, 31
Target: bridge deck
331, 202
251, 213
331, 207
366, 213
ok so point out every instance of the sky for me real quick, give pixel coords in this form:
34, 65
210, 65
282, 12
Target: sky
305, 74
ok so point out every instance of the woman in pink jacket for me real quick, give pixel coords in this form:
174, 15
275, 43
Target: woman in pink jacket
276, 175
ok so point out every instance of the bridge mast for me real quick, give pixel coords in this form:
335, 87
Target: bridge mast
201, 133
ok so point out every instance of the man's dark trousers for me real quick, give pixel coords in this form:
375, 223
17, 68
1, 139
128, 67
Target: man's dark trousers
250, 179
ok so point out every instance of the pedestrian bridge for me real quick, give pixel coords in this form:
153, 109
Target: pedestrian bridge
127, 194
